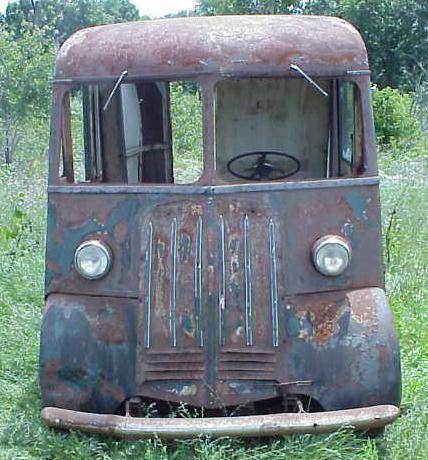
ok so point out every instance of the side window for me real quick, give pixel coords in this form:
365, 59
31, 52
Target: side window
350, 136
72, 159
92, 133
140, 132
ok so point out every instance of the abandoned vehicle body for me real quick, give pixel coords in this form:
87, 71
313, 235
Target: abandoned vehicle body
246, 282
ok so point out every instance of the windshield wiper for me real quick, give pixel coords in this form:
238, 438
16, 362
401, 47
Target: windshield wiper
297, 69
119, 81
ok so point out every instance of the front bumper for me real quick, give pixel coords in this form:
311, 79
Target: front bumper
363, 418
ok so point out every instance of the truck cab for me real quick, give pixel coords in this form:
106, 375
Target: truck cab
219, 246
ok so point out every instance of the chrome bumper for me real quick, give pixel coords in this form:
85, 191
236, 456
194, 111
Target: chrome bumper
363, 418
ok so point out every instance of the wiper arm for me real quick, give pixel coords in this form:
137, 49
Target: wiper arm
113, 91
297, 69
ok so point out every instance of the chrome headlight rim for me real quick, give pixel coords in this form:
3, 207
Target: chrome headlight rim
104, 248
326, 241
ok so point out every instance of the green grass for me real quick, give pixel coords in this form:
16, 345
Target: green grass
22, 436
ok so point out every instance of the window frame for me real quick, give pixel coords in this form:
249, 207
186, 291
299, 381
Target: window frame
61, 128
354, 167
207, 84
334, 127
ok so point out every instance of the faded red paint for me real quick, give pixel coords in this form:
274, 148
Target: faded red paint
224, 45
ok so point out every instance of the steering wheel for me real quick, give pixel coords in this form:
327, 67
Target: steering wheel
263, 169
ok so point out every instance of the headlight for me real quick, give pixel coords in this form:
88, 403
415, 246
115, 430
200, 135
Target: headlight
331, 255
92, 259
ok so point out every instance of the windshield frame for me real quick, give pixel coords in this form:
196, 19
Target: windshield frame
207, 85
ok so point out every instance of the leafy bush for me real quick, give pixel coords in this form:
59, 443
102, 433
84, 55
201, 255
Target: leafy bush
186, 120
25, 66
395, 121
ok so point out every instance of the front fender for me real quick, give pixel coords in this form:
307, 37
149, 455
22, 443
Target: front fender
87, 352
349, 353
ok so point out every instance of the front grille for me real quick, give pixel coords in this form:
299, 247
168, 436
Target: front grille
196, 260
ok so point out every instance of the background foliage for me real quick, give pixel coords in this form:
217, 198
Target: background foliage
395, 32
60, 18
25, 66
395, 119
211, 7
186, 121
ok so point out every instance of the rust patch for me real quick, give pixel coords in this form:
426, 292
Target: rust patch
214, 45
363, 299
313, 319
325, 320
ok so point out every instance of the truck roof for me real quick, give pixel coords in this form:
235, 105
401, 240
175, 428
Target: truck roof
179, 48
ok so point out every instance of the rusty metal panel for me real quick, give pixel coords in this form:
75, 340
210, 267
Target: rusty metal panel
338, 348
224, 45
226, 305
173, 245
286, 222
70, 221
87, 352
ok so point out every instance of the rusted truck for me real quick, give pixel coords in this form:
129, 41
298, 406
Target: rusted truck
250, 289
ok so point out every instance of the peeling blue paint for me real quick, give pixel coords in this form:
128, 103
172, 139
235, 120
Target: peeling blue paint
358, 203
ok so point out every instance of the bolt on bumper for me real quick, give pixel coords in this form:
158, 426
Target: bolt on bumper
363, 418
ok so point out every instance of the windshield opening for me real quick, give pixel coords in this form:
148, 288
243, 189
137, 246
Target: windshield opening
269, 129
140, 132
265, 129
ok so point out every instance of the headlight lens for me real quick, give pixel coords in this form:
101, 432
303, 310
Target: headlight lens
331, 255
92, 259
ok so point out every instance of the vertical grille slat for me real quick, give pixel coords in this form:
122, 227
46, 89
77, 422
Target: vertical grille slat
248, 284
222, 283
173, 284
198, 283
148, 298
273, 283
